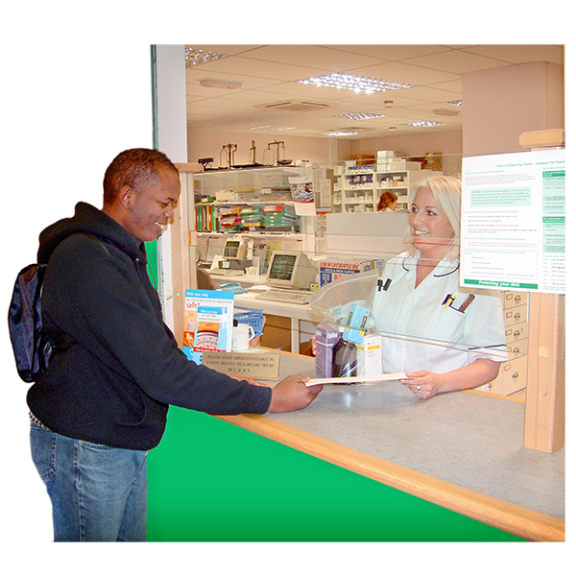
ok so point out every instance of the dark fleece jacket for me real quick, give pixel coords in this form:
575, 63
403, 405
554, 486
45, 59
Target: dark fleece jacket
117, 366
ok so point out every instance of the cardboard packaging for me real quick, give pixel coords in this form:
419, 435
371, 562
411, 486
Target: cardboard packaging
327, 336
334, 268
369, 355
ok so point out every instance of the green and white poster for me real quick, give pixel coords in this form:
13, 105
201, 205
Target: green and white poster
513, 221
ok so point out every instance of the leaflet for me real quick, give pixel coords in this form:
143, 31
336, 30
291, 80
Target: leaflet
208, 318
513, 221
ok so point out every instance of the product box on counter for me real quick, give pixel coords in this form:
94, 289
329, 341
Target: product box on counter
333, 268
369, 355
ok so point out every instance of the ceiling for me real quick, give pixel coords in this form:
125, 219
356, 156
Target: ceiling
270, 74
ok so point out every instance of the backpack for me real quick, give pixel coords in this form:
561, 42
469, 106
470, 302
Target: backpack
32, 350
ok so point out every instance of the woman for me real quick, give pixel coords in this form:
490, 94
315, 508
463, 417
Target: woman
388, 202
443, 337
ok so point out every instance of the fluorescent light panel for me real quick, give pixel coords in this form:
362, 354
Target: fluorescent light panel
340, 133
354, 83
424, 123
359, 116
196, 57
271, 128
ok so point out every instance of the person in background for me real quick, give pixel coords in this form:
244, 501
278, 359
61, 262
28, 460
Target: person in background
103, 401
388, 202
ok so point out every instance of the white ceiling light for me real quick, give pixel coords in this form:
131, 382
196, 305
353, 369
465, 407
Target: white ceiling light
340, 133
220, 83
355, 83
271, 128
195, 57
359, 116
424, 123
454, 103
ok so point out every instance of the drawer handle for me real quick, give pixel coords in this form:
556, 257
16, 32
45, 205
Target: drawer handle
518, 298
517, 315
517, 333
515, 375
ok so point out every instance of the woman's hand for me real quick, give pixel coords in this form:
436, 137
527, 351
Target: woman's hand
423, 383
426, 384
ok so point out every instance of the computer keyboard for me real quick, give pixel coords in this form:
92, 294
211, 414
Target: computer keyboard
226, 272
288, 296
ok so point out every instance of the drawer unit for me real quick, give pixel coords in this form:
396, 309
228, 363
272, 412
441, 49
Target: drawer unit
512, 375
515, 315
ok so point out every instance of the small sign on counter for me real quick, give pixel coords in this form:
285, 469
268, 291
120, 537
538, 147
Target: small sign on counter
246, 365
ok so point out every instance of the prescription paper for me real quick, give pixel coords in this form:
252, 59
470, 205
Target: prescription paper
357, 379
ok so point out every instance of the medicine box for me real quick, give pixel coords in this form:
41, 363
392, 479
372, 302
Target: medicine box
334, 268
234, 195
327, 336
369, 355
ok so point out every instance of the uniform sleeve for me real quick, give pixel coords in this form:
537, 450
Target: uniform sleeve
485, 333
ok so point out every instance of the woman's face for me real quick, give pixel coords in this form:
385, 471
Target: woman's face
429, 226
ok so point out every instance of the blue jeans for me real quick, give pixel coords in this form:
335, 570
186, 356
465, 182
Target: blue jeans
98, 493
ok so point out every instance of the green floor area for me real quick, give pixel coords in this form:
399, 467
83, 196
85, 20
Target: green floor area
210, 481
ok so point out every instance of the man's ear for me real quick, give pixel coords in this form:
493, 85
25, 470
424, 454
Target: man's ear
125, 196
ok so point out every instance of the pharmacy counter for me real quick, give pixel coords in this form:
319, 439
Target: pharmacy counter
463, 451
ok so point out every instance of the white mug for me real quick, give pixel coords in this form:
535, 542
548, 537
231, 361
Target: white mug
241, 336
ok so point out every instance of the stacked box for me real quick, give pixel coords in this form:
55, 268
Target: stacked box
335, 268
369, 355
280, 217
384, 160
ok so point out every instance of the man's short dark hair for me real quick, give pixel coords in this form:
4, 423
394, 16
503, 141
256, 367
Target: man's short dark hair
132, 168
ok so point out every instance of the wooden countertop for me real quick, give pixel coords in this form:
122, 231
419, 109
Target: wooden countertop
462, 451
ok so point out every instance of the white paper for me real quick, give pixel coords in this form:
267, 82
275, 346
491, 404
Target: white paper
513, 221
357, 379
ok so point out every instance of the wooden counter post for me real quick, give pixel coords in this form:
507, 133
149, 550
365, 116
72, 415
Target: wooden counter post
544, 426
182, 278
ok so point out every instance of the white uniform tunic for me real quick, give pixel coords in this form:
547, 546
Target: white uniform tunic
420, 331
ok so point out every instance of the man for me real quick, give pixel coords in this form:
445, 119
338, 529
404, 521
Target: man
103, 401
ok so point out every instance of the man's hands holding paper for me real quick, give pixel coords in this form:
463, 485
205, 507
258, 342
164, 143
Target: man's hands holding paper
292, 394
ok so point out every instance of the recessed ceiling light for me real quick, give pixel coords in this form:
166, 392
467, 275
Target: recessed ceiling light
446, 112
340, 133
194, 57
355, 83
359, 116
272, 128
220, 83
424, 123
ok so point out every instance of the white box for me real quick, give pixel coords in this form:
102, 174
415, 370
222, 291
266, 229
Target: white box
234, 195
369, 355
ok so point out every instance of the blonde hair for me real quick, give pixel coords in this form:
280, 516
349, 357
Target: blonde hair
447, 192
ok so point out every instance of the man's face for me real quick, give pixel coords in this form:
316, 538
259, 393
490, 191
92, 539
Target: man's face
152, 206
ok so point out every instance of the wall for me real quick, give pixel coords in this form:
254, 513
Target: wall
449, 143
502, 103
209, 143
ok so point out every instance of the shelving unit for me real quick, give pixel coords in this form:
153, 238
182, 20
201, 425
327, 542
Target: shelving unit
263, 189
359, 189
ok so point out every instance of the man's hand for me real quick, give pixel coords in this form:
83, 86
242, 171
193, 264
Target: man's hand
292, 394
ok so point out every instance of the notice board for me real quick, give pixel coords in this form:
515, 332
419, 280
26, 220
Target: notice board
513, 221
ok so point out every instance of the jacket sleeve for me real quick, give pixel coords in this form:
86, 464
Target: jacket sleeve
117, 322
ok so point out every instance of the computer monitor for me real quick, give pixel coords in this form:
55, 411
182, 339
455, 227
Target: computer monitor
292, 270
231, 248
